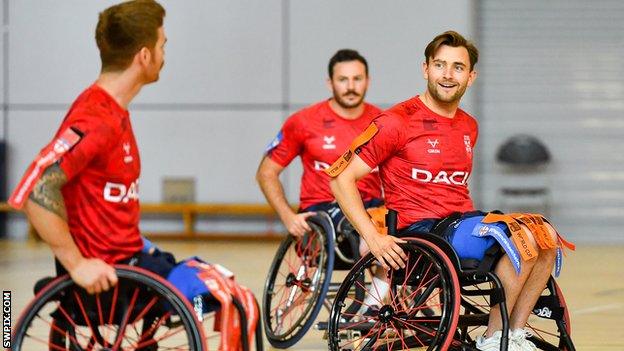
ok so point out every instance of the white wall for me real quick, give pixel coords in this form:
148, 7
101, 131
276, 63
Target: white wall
553, 69
234, 71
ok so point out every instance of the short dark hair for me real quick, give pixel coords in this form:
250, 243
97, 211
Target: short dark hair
344, 55
454, 39
126, 28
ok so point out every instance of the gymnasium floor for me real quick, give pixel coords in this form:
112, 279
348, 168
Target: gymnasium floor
592, 279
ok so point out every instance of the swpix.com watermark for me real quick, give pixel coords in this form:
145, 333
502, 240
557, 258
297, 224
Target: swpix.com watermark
6, 319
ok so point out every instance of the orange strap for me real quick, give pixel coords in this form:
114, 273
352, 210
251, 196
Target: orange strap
378, 216
223, 287
541, 227
564, 243
225, 320
519, 237
537, 228
343, 161
561, 242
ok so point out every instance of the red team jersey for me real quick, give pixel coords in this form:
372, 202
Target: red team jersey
319, 136
424, 160
101, 194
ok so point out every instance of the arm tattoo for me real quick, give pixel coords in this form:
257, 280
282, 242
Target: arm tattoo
47, 191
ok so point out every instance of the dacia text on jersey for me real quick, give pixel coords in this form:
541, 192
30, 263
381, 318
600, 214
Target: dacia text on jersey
118, 192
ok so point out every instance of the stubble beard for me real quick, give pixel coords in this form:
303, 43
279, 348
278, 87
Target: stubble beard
433, 90
347, 105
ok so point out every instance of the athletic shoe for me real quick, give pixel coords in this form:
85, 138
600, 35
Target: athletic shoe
493, 343
519, 337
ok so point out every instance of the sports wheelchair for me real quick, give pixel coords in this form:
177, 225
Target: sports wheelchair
438, 302
299, 280
142, 312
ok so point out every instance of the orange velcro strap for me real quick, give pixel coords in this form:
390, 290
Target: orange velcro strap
519, 237
561, 242
539, 221
343, 161
378, 216
537, 228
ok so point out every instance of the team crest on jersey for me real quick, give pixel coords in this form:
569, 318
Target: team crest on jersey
434, 146
127, 158
329, 142
276, 141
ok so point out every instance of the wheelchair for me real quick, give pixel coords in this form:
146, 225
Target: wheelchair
142, 312
438, 302
299, 282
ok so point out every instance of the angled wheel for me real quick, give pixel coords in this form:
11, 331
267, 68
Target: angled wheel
551, 308
420, 311
548, 325
142, 312
297, 283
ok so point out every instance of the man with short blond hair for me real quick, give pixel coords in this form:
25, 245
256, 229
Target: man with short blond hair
81, 192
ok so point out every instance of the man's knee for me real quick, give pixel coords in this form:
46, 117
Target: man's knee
548, 254
529, 236
551, 231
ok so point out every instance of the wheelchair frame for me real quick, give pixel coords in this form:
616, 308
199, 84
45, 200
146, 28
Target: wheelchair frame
454, 332
77, 320
314, 258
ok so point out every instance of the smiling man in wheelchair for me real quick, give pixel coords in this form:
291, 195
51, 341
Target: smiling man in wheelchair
81, 195
423, 148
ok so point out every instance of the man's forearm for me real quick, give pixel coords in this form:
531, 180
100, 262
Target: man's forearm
274, 193
55, 232
348, 196
45, 209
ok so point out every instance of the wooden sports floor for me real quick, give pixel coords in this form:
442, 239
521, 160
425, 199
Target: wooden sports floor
592, 281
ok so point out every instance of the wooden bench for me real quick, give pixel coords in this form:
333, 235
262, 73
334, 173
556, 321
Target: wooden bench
189, 214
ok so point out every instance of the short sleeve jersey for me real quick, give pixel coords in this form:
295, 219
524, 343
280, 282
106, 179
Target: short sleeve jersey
101, 194
424, 160
319, 136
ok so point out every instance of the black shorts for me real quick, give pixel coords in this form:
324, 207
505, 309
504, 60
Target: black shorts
159, 262
334, 211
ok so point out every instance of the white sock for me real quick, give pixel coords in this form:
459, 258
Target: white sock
377, 292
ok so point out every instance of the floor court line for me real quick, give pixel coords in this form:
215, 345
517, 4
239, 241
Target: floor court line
613, 306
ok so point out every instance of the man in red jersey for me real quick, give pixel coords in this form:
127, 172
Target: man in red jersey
319, 133
423, 148
81, 193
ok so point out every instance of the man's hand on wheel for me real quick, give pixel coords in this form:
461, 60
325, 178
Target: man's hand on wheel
94, 275
387, 251
296, 224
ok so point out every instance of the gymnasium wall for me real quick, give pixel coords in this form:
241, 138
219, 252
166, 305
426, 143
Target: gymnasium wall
236, 69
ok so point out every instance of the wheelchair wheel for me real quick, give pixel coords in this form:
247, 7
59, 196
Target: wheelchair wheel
142, 312
548, 325
297, 283
420, 312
